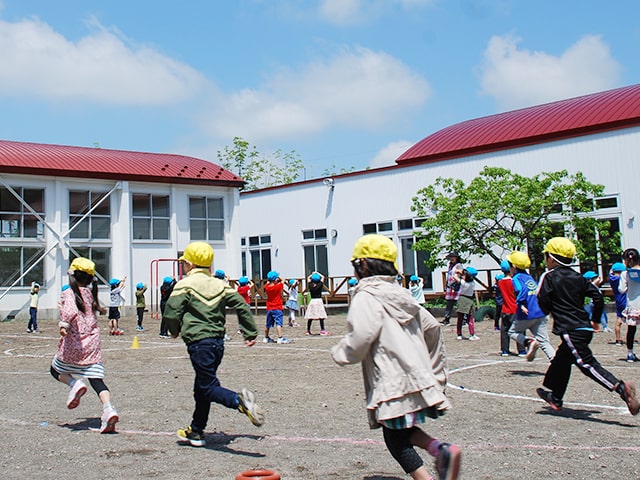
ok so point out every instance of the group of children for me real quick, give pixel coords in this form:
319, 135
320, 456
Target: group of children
389, 332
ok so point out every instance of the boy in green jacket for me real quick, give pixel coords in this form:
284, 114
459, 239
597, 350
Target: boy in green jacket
196, 311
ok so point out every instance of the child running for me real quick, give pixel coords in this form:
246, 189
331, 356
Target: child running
395, 338
561, 293
79, 347
196, 311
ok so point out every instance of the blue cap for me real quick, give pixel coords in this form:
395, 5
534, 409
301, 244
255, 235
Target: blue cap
505, 266
292, 281
113, 282
243, 280
413, 278
139, 285
499, 276
315, 277
352, 281
219, 274
272, 275
618, 267
472, 271
167, 279
65, 287
589, 275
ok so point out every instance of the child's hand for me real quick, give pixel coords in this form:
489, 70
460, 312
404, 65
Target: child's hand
63, 332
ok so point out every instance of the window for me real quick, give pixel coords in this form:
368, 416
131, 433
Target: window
259, 254
315, 251
16, 220
206, 218
14, 261
100, 256
150, 216
377, 227
413, 262
95, 225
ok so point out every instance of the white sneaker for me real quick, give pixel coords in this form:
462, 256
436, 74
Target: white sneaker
283, 340
474, 337
108, 420
75, 394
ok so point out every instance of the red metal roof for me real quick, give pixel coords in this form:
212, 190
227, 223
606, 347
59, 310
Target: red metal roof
598, 112
84, 162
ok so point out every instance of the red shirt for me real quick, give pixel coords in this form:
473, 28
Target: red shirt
274, 295
508, 296
244, 291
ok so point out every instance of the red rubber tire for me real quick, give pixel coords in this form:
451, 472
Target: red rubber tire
258, 475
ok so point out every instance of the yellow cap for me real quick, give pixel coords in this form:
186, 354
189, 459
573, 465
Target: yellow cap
519, 260
199, 254
560, 246
83, 265
375, 246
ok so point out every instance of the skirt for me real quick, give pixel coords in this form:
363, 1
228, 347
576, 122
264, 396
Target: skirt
315, 310
465, 305
94, 370
292, 305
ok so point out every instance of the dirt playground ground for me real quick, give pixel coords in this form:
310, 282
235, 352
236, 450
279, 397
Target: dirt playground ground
315, 418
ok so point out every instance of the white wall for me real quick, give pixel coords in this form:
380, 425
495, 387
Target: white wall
379, 195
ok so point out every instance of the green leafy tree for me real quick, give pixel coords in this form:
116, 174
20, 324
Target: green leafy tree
333, 170
257, 170
499, 211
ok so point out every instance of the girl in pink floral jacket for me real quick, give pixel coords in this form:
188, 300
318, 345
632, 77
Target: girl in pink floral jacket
79, 348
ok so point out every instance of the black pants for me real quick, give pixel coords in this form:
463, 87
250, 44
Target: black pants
574, 350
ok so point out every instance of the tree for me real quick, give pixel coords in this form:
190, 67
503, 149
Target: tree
500, 211
258, 170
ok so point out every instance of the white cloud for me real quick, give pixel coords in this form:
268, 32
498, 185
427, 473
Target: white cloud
347, 12
100, 67
519, 78
388, 155
355, 88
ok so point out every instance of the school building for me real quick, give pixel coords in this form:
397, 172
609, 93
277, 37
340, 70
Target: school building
313, 225
133, 213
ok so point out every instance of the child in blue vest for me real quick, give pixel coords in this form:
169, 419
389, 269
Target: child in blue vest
529, 315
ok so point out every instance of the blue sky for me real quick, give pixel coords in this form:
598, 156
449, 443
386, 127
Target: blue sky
350, 83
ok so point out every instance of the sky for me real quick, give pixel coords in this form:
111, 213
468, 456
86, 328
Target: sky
342, 83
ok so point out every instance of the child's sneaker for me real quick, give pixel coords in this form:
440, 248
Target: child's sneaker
474, 337
294, 324
324, 333
631, 357
108, 420
247, 405
548, 397
307, 332
504, 353
283, 340
532, 348
460, 337
627, 392
268, 340
119, 332
188, 435
140, 329
448, 462
77, 391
